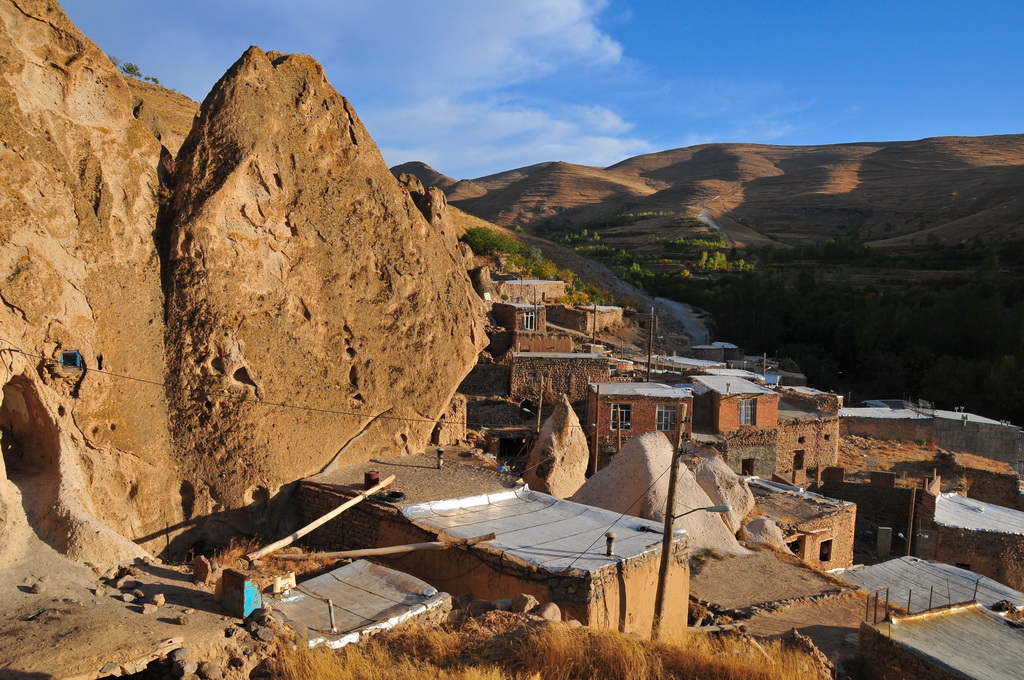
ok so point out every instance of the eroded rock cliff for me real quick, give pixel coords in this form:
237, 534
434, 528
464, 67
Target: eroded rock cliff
289, 267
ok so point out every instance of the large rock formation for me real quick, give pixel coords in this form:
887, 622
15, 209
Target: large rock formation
636, 483
285, 307
83, 451
316, 317
557, 463
722, 485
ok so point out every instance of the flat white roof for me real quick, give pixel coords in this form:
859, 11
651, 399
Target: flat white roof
526, 282
959, 512
728, 385
880, 412
553, 534
558, 355
736, 373
689, 361
969, 417
642, 389
519, 305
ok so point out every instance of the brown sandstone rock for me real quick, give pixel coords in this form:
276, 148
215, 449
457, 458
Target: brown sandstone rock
302, 274
722, 485
557, 463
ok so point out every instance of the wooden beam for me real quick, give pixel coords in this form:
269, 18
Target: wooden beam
288, 540
392, 550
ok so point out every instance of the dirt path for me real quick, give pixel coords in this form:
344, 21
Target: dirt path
831, 622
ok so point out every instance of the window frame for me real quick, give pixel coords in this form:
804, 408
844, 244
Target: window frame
666, 414
626, 409
748, 412
530, 320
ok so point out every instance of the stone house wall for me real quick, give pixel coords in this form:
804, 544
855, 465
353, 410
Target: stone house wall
561, 376
644, 417
883, 659
511, 317
996, 555
530, 293
619, 599
898, 429
485, 380
752, 450
582, 318
837, 527
821, 402
998, 488
815, 441
998, 442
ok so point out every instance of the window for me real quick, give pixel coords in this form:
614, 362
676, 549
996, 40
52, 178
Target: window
798, 459
801, 440
530, 320
747, 467
748, 412
666, 421
827, 437
825, 551
622, 416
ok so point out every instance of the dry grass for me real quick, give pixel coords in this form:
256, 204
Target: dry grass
549, 652
263, 573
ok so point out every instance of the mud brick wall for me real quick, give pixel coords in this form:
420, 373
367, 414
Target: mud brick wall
838, 527
821, 402
513, 291
357, 527
644, 417
562, 376
998, 556
998, 488
818, 439
883, 659
511, 316
897, 429
582, 319
542, 342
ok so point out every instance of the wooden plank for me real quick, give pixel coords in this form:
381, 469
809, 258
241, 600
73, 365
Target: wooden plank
288, 540
391, 550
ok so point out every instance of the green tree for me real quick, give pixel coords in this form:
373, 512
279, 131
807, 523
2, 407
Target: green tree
130, 69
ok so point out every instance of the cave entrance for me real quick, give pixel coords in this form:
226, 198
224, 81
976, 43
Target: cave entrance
30, 445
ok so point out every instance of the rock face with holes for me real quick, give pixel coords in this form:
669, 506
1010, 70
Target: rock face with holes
280, 264
557, 463
86, 456
301, 272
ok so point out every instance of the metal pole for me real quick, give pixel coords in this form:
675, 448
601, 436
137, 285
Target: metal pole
330, 610
886, 612
930, 591
650, 345
667, 547
867, 608
910, 524
594, 455
910, 596
974, 597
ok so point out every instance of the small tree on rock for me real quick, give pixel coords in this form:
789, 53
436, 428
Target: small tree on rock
130, 69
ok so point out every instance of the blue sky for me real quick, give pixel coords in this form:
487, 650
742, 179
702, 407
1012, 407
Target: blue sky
473, 87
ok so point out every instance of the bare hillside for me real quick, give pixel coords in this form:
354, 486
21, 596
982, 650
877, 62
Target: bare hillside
893, 194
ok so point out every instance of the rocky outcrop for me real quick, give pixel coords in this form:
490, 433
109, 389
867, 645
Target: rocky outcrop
762, 531
557, 463
316, 317
636, 483
285, 306
86, 455
722, 485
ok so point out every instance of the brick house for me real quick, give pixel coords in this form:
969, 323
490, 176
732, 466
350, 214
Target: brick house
818, 530
561, 372
717, 351
739, 418
640, 407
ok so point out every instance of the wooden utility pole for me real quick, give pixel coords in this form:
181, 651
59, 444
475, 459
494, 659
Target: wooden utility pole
666, 541
650, 345
618, 429
593, 337
540, 402
910, 523
594, 454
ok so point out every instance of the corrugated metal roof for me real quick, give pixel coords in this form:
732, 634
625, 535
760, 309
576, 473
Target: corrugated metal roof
957, 511
366, 596
542, 530
880, 412
911, 579
970, 641
728, 385
642, 389
969, 417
